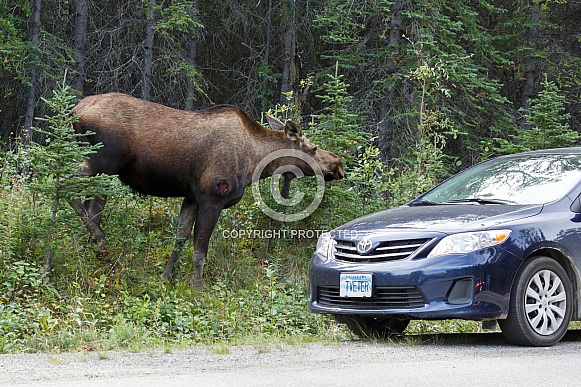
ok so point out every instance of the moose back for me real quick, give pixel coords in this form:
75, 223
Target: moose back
208, 157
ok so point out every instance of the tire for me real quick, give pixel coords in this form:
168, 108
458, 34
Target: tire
541, 304
373, 327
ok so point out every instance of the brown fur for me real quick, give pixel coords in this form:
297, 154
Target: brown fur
208, 157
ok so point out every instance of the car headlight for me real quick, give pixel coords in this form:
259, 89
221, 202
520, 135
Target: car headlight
326, 245
467, 242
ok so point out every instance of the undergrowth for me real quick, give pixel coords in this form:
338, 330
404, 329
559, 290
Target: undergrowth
256, 287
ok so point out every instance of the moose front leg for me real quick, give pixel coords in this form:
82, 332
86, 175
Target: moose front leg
90, 212
187, 216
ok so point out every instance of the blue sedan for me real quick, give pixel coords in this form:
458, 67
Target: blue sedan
500, 241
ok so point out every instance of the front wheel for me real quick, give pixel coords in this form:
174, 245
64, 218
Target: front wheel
541, 304
373, 327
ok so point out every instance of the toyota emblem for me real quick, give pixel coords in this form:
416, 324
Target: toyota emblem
364, 246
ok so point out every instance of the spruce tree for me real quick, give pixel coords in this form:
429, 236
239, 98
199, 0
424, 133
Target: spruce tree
546, 124
336, 128
55, 163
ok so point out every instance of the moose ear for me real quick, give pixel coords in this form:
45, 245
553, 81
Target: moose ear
274, 123
293, 131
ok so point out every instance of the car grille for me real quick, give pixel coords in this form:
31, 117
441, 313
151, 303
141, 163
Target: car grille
383, 297
386, 251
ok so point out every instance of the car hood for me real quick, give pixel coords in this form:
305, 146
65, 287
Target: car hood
441, 218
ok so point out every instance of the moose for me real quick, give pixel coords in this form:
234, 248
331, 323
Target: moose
208, 157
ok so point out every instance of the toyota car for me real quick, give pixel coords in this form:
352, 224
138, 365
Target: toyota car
498, 242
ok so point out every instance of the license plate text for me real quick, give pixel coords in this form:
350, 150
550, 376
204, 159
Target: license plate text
355, 285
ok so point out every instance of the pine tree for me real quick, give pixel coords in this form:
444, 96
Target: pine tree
546, 123
55, 165
336, 127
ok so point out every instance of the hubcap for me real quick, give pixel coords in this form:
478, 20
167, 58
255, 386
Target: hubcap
545, 302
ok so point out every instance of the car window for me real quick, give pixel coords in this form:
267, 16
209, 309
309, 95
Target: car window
523, 179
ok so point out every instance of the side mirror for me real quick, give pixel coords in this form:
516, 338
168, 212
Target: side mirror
576, 205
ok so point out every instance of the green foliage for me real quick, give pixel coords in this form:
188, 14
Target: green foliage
546, 124
104, 317
21, 313
13, 210
342, 21
178, 24
427, 163
234, 52
420, 171
56, 164
179, 16
13, 14
367, 177
336, 128
392, 41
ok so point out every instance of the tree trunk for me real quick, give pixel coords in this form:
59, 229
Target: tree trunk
191, 87
387, 121
34, 38
289, 66
268, 43
530, 71
148, 55
80, 11
192, 60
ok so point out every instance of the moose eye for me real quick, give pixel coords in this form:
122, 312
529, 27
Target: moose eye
315, 149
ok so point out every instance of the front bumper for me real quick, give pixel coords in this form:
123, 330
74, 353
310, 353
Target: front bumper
474, 286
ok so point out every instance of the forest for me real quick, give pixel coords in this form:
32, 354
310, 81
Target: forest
469, 68
407, 92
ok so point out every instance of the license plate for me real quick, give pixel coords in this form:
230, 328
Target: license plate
355, 285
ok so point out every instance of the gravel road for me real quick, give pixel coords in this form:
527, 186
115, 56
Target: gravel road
441, 360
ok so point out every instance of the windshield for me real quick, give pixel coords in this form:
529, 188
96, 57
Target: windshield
521, 179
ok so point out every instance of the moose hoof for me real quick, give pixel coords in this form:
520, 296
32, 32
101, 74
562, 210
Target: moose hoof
101, 254
198, 282
100, 249
166, 277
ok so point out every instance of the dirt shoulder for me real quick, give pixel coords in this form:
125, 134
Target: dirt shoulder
337, 364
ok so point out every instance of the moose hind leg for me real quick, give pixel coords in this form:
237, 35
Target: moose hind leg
186, 221
205, 223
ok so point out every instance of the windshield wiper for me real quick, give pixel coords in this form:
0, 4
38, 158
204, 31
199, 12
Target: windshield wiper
425, 203
479, 201
461, 201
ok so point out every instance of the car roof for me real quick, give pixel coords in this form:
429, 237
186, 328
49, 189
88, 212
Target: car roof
576, 150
